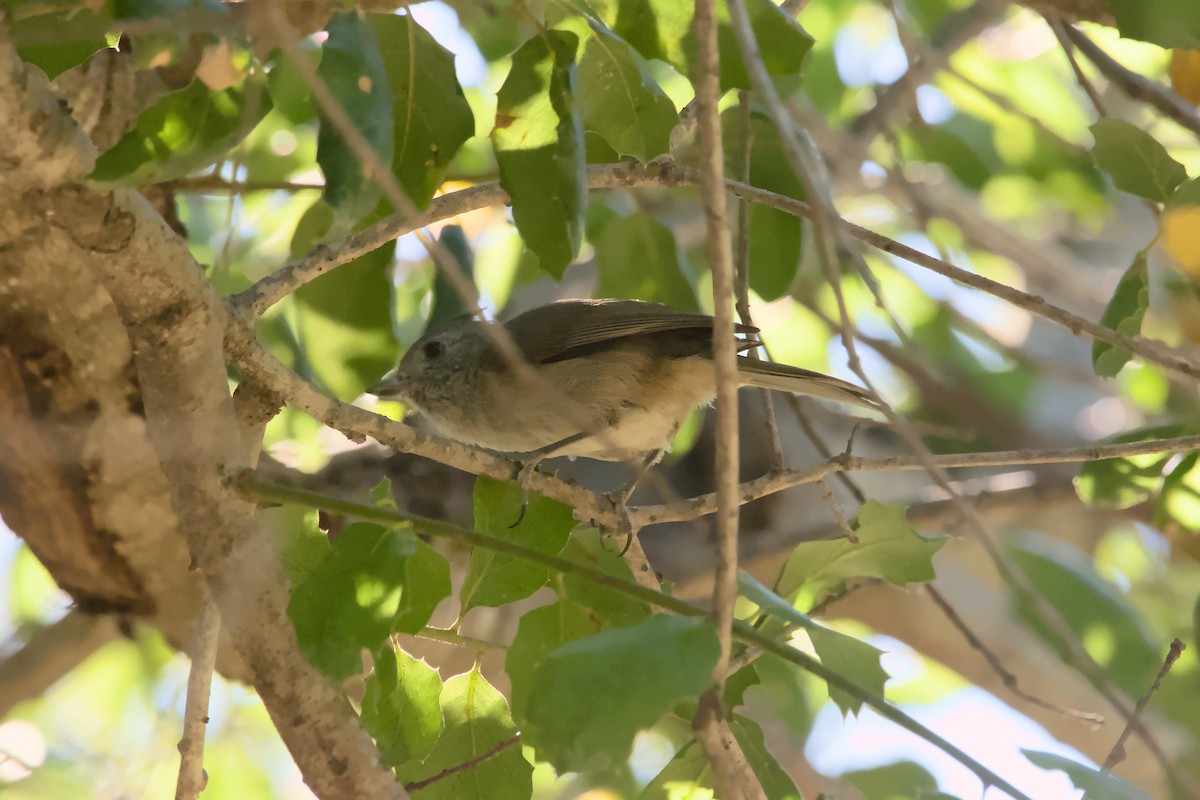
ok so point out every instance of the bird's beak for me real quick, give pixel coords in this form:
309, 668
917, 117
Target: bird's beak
389, 386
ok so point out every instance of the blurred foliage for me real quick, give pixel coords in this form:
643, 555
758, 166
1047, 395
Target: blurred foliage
1000, 146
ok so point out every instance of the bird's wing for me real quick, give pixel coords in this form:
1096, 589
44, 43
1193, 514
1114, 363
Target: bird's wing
553, 332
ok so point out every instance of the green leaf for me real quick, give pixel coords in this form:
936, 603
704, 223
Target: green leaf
351, 600
345, 323
637, 258
613, 608
618, 98
184, 131
539, 632
426, 582
353, 69
888, 548
776, 783
1123, 314
632, 676
538, 140
1114, 632
494, 579
899, 779
1167, 23
1135, 160
1096, 784
655, 28
662, 29
775, 237
476, 721
150, 9
1188, 194
737, 684
56, 42
782, 43
845, 655
687, 776
431, 116
447, 302
401, 708
852, 659
1125, 482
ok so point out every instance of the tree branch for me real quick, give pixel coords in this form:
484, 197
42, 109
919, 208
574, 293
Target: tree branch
274, 287
175, 324
203, 653
51, 653
769, 484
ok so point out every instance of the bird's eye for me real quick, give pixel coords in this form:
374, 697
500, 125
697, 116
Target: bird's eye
432, 349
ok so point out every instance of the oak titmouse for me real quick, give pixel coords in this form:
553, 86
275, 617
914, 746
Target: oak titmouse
633, 370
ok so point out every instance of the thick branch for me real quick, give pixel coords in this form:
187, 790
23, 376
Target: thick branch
175, 325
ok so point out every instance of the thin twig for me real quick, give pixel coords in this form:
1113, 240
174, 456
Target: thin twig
1137, 86
1064, 41
742, 285
280, 283
203, 652
1010, 680
769, 484
1117, 754
413, 786
458, 640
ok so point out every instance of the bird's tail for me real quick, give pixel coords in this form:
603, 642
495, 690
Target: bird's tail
785, 378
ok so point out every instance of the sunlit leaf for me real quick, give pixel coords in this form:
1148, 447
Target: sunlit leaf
854, 660
633, 676
663, 29
619, 99
888, 548
351, 600
432, 118
687, 776
401, 706
184, 131
538, 139
345, 323
476, 721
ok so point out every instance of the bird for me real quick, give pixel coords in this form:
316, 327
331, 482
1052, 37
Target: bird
618, 379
